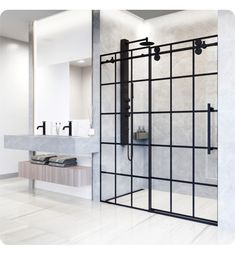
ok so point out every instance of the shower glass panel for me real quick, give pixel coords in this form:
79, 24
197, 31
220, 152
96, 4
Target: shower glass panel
167, 163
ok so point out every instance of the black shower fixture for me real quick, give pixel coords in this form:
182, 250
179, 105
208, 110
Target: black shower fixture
43, 126
144, 42
124, 82
112, 60
147, 43
199, 45
124, 90
69, 128
157, 53
126, 58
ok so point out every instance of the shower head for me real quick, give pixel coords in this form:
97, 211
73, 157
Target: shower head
147, 43
143, 42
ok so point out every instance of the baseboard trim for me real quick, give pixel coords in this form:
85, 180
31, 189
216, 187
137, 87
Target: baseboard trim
6, 176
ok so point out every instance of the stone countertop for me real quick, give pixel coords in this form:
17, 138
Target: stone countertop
72, 145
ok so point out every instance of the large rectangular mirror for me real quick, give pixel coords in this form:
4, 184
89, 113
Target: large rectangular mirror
62, 73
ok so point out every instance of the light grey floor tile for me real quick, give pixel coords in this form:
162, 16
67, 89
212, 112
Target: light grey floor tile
50, 218
18, 236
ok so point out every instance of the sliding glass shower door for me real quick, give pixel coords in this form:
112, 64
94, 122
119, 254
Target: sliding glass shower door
184, 135
168, 165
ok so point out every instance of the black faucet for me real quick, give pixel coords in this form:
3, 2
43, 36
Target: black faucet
43, 127
69, 127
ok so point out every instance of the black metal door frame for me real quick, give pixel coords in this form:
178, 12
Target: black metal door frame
198, 46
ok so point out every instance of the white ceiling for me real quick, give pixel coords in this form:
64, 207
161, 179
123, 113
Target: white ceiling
15, 23
149, 14
64, 37
87, 62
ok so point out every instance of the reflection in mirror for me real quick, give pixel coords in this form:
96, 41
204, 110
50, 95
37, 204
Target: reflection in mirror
62, 73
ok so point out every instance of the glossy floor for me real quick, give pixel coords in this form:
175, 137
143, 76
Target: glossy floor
205, 208
50, 218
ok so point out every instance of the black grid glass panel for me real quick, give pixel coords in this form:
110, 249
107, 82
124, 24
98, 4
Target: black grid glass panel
173, 97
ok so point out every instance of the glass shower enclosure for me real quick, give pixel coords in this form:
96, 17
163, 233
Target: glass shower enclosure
158, 128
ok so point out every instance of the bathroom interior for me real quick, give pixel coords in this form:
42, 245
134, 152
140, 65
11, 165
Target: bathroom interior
119, 109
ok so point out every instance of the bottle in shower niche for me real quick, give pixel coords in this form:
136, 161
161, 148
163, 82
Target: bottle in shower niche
58, 128
140, 134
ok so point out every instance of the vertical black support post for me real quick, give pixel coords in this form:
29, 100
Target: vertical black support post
132, 98
124, 91
100, 130
150, 126
115, 126
193, 130
170, 127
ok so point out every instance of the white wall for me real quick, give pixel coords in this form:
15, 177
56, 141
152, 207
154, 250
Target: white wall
80, 92
52, 93
75, 91
62, 93
60, 39
64, 37
86, 92
13, 99
181, 25
226, 120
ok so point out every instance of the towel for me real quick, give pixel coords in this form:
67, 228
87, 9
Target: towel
42, 158
63, 160
38, 162
62, 165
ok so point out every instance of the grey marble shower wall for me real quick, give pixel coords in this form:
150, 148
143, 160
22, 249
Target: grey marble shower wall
172, 28
116, 25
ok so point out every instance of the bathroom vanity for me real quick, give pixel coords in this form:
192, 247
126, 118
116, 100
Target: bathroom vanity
69, 145
74, 177
60, 105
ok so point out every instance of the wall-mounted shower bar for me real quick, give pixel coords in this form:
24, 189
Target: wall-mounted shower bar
160, 45
160, 53
124, 91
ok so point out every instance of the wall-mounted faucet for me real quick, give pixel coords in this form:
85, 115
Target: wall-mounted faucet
43, 127
69, 127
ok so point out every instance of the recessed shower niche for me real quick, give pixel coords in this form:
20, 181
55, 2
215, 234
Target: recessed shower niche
161, 136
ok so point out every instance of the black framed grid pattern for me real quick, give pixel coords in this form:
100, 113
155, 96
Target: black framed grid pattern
179, 124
